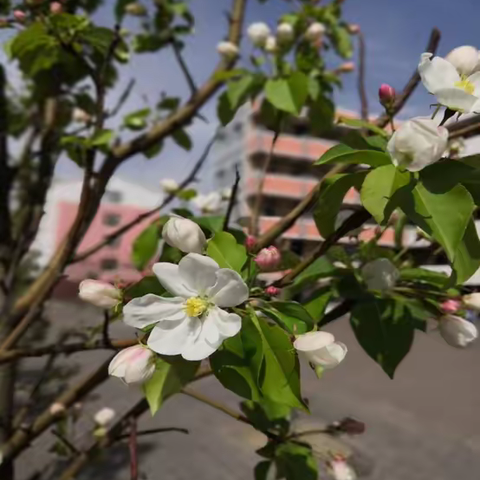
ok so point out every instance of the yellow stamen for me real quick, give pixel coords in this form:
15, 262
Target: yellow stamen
465, 85
195, 306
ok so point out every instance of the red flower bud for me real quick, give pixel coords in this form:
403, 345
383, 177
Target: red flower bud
386, 95
272, 291
250, 242
268, 258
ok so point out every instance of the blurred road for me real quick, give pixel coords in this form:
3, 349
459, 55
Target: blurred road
424, 425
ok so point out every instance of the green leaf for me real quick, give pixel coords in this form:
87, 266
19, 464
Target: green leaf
342, 41
281, 370
101, 139
145, 246
288, 95
237, 363
238, 90
467, 256
212, 223
137, 120
331, 197
317, 303
322, 115
423, 275
385, 330
344, 154
295, 462
225, 112
154, 150
120, 9
289, 315
186, 194
146, 285
182, 139
170, 254
444, 215
353, 122
169, 103
262, 469
378, 189
225, 250
266, 415
169, 378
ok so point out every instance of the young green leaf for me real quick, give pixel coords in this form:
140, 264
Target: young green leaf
225, 250
288, 94
291, 316
145, 246
343, 154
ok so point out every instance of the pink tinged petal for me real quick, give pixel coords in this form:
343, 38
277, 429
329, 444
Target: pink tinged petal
169, 276
198, 272
172, 338
456, 99
149, 309
229, 290
437, 73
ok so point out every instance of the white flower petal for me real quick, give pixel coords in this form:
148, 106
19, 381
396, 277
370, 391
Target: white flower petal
169, 276
313, 341
475, 80
329, 356
229, 290
172, 338
227, 324
437, 73
198, 272
200, 348
456, 99
149, 309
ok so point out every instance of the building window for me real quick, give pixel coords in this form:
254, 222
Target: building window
115, 242
108, 264
297, 246
112, 196
111, 219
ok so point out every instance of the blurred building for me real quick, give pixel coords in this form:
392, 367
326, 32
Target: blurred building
245, 144
122, 202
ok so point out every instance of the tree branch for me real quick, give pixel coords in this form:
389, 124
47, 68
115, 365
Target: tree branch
125, 228
412, 83
233, 199
288, 220
361, 77
183, 66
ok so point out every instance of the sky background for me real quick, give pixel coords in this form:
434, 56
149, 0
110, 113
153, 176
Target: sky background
396, 34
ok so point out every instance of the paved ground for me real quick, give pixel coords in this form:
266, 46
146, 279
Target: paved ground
424, 425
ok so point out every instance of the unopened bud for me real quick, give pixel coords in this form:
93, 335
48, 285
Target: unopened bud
228, 50
457, 331
451, 305
169, 185
98, 293
104, 416
271, 44
272, 291
285, 33
57, 409
258, 33
133, 365
315, 32
19, 16
353, 29
56, 7
268, 258
250, 242
136, 9
386, 95
346, 67
81, 116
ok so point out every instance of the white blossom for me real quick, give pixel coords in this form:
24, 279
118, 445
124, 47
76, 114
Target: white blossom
228, 50
457, 331
169, 185
210, 203
417, 143
285, 32
380, 274
340, 469
81, 116
472, 301
98, 293
192, 323
452, 89
321, 349
104, 416
133, 365
315, 32
226, 193
464, 59
258, 33
184, 234
271, 44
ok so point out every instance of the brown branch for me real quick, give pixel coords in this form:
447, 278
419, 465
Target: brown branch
412, 83
288, 220
353, 222
362, 92
183, 66
132, 447
154, 431
231, 203
57, 349
125, 228
465, 128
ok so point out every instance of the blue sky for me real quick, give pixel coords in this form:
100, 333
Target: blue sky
396, 34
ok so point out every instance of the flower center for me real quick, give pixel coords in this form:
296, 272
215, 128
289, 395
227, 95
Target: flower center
466, 86
195, 306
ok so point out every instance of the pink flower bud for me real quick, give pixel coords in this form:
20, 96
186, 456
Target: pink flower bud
100, 294
451, 306
19, 15
56, 7
272, 291
353, 29
268, 258
250, 242
386, 95
133, 365
346, 67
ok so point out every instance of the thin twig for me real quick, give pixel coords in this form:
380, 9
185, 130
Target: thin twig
107, 342
354, 221
183, 66
361, 76
125, 228
288, 220
123, 98
336, 312
153, 431
412, 83
232, 202
66, 442
132, 447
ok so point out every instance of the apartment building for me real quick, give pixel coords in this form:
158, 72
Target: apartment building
245, 144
